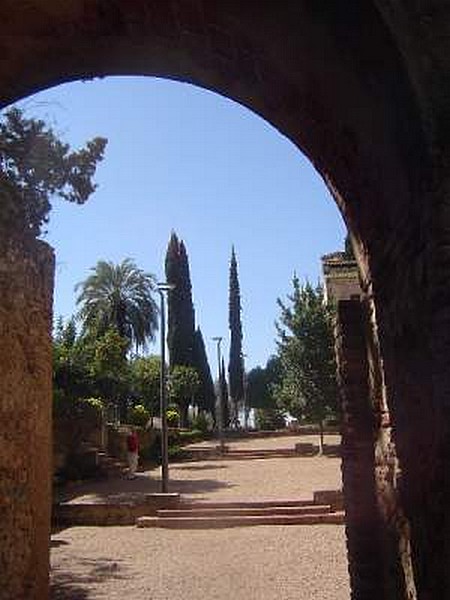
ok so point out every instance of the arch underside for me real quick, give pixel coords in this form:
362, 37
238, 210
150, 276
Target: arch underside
328, 76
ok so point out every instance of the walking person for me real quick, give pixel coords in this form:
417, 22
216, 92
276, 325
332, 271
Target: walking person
132, 453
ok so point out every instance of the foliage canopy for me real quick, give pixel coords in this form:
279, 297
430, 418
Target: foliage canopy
119, 297
235, 366
306, 350
35, 166
181, 318
262, 384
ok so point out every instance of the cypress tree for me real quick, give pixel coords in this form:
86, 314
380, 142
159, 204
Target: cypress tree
206, 396
224, 397
181, 319
235, 366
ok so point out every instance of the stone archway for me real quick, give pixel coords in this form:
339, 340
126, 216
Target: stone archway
361, 89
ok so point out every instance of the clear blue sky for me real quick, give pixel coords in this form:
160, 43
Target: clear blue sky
183, 158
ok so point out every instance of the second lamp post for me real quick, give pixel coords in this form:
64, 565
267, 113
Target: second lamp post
162, 289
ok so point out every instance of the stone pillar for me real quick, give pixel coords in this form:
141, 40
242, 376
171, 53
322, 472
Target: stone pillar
26, 286
395, 530
358, 455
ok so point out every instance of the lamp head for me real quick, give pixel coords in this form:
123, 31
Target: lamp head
163, 286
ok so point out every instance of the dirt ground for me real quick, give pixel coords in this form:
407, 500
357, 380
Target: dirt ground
265, 562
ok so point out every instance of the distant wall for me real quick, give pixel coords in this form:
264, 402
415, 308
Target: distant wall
73, 434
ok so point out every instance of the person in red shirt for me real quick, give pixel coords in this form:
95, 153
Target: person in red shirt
132, 453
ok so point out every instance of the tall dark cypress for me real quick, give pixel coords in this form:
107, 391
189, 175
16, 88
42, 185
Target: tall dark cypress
235, 365
206, 396
224, 396
181, 319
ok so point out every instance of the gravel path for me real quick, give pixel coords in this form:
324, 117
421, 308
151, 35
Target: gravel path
216, 480
252, 563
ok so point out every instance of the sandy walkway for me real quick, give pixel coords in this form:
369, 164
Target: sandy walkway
283, 563
213, 480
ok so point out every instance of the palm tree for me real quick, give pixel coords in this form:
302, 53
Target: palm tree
119, 297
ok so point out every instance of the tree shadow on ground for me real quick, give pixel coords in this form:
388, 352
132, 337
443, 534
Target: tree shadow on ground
182, 486
58, 543
70, 585
122, 490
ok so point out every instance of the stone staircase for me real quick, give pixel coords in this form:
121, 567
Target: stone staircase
109, 466
173, 511
219, 515
200, 453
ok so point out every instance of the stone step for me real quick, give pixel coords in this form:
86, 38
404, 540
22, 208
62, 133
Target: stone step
247, 511
264, 451
241, 453
239, 521
250, 503
110, 466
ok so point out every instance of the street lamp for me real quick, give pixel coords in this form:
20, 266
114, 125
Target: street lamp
218, 340
162, 289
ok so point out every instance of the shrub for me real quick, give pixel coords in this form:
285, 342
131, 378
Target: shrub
138, 415
269, 419
187, 437
201, 423
175, 452
88, 409
173, 417
153, 451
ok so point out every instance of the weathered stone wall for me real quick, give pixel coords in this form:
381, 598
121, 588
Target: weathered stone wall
396, 535
26, 288
363, 524
117, 440
417, 425
390, 452
74, 433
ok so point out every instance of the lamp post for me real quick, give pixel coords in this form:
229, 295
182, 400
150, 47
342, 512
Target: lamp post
162, 289
218, 340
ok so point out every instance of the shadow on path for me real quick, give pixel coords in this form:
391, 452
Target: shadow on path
122, 490
73, 585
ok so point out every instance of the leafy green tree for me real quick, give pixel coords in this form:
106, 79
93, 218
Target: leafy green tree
184, 383
146, 380
262, 385
269, 419
71, 371
86, 366
306, 350
206, 397
181, 318
119, 297
138, 415
110, 369
235, 366
110, 355
35, 166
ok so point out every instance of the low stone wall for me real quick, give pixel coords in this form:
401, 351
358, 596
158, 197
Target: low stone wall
110, 514
74, 435
335, 498
306, 449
